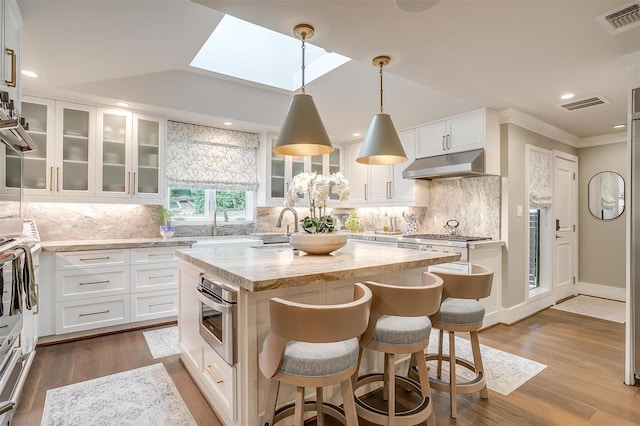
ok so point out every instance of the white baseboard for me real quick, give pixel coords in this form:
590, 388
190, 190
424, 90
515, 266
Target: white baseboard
604, 291
516, 313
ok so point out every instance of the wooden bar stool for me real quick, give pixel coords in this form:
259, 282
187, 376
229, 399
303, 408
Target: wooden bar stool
399, 324
313, 346
460, 311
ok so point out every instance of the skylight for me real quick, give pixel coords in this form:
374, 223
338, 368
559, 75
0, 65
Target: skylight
243, 50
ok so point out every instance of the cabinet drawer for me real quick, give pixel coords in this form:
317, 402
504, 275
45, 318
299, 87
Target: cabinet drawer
160, 304
78, 284
154, 255
220, 379
153, 277
87, 314
82, 259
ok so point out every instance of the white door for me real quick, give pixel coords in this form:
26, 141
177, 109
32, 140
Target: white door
565, 205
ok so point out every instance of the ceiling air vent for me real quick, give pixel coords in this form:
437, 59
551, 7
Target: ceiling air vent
584, 103
621, 19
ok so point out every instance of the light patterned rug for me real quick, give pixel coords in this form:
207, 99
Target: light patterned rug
504, 372
162, 342
610, 310
144, 396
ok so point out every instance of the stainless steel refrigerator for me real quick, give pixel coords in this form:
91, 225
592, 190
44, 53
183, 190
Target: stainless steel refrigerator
635, 230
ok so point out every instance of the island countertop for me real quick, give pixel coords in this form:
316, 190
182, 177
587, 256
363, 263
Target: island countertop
267, 268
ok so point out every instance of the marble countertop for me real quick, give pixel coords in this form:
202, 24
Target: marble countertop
125, 243
393, 238
271, 267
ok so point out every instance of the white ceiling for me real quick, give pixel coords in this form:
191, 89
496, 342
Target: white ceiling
451, 58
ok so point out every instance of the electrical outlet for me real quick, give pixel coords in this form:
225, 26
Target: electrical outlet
519, 211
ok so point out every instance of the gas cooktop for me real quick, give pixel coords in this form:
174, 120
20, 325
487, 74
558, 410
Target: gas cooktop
446, 237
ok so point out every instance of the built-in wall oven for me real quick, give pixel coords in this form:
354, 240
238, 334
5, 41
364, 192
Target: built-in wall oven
218, 317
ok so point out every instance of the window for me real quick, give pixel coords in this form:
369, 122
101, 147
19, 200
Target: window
534, 249
194, 204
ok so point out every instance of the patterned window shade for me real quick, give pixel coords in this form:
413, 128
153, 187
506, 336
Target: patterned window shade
210, 158
540, 182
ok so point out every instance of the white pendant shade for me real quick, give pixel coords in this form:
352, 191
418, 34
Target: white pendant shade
303, 132
382, 144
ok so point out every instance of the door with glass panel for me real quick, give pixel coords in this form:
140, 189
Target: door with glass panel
149, 132
74, 170
114, 153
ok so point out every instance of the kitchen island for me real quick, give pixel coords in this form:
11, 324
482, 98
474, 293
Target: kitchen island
237, 392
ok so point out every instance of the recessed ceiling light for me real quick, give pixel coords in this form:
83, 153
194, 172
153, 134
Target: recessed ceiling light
30, 73
619, 126
356, 134
227, 123
122, 104
567, 96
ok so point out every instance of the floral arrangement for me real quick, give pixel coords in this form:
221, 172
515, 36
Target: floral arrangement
317, 188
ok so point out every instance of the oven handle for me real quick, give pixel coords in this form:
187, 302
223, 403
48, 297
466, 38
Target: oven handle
6, 406
224, 308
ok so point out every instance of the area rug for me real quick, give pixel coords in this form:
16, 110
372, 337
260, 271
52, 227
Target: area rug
504, 372
144, 396
610, 310
162, 342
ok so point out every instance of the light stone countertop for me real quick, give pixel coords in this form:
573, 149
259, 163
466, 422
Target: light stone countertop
79, 245
271, 267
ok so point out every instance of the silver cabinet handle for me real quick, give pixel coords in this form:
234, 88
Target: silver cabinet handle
87, 259
448, 142
443, 145
161, 276
160, 304
128, 182
95, 282
365, 192
390, 190
133, 184
94, 313
57, 179
51, 180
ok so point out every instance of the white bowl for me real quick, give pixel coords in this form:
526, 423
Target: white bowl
318, 243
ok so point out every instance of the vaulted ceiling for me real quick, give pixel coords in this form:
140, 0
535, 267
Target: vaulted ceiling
448, 57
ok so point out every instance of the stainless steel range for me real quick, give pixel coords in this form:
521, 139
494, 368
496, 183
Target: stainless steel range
440, 243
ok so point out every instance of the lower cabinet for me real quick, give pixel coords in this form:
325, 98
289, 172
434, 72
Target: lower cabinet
102, 288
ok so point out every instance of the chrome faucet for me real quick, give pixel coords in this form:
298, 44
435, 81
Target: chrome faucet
215, 218
295, 218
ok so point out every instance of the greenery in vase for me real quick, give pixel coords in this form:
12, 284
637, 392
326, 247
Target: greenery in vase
164, 216
317, 187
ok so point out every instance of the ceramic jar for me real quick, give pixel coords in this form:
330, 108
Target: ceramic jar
353, 222
167, 231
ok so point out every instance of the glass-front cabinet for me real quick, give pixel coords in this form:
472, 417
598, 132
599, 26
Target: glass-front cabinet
129, 154
282, 168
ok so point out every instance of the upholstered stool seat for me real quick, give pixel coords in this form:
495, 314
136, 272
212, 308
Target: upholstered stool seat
400, 324
313, 346
460, 311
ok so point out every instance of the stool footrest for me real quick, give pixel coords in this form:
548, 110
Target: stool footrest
330, 409
408, 417
471, 386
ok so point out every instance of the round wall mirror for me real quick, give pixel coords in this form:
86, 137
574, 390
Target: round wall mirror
606, 195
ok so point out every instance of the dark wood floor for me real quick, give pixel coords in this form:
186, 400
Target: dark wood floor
582, 385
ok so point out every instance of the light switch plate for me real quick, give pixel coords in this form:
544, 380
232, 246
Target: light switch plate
519, 211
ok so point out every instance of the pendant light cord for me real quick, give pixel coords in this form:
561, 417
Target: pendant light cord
381, 108
304, 36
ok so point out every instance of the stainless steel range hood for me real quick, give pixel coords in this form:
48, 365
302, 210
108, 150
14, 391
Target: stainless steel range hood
468, 163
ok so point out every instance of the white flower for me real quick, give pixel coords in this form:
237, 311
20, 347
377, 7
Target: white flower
318, 187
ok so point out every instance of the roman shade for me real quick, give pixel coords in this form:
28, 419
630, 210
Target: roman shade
540, 179
204, 157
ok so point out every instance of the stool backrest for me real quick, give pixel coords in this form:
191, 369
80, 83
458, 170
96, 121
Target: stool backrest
403, 301
476, 285
313, 324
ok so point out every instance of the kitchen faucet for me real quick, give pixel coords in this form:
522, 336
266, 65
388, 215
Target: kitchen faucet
215, 218
295, 218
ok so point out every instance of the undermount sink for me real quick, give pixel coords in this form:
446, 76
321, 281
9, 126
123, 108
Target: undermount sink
271, 237
276, 247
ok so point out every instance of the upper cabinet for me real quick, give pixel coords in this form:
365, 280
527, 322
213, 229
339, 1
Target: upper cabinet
87, 154
478, 129
282, 168
130, 155
10, 41
383, 185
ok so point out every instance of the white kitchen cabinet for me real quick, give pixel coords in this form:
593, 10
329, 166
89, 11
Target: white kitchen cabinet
98, 288
478, 129
11, 21
282, 168
383, 185
130, 154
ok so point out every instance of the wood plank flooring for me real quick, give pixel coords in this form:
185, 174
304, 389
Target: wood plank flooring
582, 385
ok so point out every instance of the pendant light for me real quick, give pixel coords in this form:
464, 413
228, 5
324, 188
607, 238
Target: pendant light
303, 132
382, 144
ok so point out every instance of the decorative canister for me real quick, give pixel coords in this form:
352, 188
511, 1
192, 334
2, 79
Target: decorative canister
412, 228
353, 222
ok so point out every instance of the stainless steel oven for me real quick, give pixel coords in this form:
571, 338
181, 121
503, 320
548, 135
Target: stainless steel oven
218, 322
